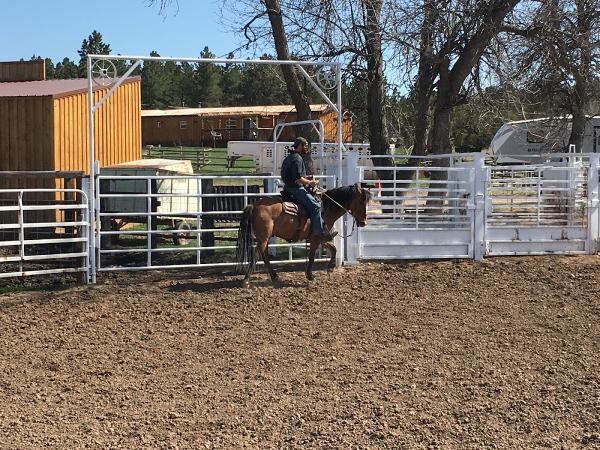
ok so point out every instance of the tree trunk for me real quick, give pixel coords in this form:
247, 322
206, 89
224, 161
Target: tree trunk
582, 76
452, 80
292, 81
378, 132
425, 78
578, 127
442, 118
423, 88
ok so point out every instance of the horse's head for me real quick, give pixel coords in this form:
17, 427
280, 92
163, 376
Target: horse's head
359, 203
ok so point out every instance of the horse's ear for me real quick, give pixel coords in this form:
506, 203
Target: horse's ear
357, 188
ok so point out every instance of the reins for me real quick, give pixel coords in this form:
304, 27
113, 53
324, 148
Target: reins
323, 192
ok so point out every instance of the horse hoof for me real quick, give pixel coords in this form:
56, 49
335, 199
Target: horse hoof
246, 284
330, 270
310, 277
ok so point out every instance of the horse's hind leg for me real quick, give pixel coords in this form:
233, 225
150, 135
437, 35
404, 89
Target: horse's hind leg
246, 282
263, 248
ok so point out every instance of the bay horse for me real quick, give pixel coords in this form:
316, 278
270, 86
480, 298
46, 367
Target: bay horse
267, 218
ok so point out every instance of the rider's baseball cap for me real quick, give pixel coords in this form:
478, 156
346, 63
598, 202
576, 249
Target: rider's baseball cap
298, 141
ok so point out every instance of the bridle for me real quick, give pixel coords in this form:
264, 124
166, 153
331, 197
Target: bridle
323, 192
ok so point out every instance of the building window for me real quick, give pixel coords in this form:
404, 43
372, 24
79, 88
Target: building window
158, 124
231, 124
183, 124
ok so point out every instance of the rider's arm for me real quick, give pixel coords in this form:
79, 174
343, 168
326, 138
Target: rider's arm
304, 181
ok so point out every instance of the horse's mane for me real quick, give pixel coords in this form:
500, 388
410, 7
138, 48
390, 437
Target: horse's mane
341, 195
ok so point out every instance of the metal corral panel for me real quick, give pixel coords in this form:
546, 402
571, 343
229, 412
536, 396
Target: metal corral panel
397, 243
262, 153
504, 241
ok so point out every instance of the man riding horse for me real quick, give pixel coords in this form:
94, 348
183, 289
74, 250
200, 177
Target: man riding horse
296, 182
272, 216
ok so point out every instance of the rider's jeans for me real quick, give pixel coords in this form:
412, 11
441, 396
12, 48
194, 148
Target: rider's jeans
312, 207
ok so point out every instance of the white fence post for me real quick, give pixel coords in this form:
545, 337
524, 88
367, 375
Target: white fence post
593, 214
350, 245
479, 212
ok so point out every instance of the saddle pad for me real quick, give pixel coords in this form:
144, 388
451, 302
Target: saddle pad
290, 208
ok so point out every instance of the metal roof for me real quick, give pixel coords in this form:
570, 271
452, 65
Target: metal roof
229, 110
548, 119
50, 88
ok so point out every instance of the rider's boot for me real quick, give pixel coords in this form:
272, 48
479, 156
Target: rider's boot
327, 235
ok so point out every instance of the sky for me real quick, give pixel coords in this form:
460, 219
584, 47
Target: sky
55, 28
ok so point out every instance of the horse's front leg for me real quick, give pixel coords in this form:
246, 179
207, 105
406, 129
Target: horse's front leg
333, 252
314, 244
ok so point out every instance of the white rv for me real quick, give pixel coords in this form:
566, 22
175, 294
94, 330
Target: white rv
532, 140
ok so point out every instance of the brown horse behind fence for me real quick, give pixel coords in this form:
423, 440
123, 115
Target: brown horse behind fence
267, 218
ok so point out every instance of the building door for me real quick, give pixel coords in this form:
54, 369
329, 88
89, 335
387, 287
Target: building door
249, 128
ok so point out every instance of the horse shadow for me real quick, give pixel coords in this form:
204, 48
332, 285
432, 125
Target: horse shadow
233, 284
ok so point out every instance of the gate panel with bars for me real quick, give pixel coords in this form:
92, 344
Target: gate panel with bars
43, 231
418, 212
537, 210
176, 221
453, 209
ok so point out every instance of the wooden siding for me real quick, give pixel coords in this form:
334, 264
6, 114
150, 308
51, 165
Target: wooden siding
25, 137
23, 70
197, 133
117, 129
46, 134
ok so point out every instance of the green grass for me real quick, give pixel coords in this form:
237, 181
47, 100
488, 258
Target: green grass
14, 288
211, 161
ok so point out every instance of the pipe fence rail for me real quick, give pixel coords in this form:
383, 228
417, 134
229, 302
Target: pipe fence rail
162, 222
452, 206
43, 231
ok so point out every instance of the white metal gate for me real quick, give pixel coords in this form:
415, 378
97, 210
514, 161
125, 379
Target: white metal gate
175, 221
422, 212
43, 232
537, 209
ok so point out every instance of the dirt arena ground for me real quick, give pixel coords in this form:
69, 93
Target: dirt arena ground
499, 354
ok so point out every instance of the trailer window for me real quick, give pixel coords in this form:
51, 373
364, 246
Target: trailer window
158, 124
183, 124
231, 123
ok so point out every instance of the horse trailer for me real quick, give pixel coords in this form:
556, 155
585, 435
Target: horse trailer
528, 141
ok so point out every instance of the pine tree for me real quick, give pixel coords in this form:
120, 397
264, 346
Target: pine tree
231, 80
93, 45
50, 69
157, 88
208, 81
263, 85
121, 65
187, 91
66, 69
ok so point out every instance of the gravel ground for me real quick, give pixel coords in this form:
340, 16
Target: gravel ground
498, 354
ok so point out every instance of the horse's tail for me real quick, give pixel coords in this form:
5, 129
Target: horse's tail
246, 258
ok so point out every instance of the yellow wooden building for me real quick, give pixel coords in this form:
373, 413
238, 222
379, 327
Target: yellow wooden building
44, 125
